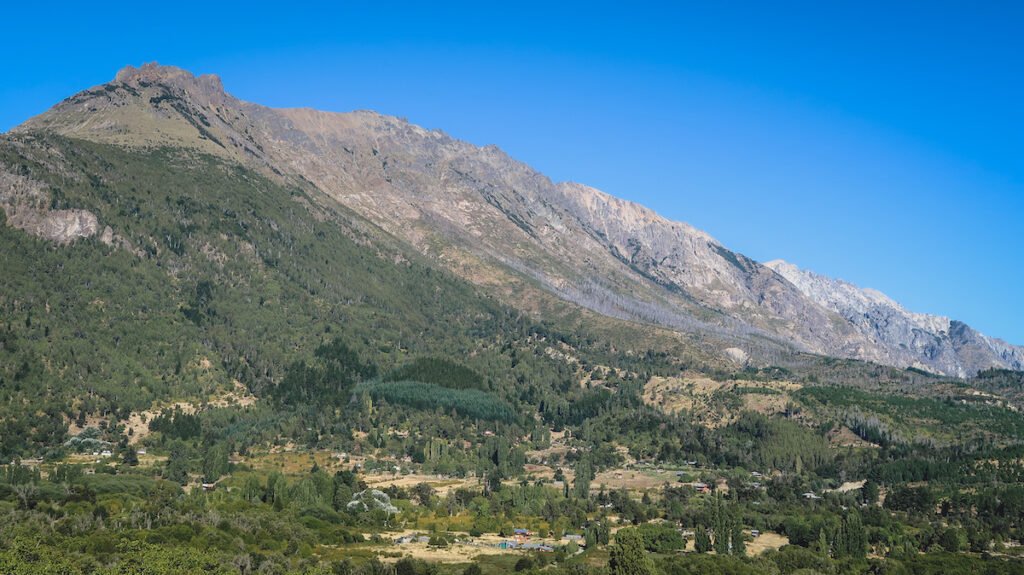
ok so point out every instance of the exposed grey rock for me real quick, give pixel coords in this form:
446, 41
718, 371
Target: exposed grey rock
25, 204
737, 356
906, 338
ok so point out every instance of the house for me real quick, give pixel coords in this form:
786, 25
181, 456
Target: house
701, 487
755, 533
106, 453
521, 532
810, 495
209, 486
537, 547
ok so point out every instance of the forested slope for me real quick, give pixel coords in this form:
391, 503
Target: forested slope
208, 274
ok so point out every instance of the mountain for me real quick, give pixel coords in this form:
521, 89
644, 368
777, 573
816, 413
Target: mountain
498, 223
903, 337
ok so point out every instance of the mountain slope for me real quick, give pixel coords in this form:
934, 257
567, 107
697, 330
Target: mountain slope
904, 338
493, 220
205, 274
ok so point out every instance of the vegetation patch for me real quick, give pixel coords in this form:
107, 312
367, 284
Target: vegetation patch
471, 403
438, 371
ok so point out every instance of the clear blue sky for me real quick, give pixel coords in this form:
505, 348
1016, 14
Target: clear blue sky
880, 142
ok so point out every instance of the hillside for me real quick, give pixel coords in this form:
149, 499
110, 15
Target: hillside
194, 273
498, 223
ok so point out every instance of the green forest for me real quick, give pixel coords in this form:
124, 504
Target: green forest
248, 379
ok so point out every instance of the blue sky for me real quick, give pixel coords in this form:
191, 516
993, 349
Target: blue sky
878, 142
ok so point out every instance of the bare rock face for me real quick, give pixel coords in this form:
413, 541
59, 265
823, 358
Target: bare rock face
25, 204
925, 341
737, 356
685, 260
459, 203
60, 226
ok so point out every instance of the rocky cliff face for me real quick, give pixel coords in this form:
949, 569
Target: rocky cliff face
26, 204
902, 337
492, 219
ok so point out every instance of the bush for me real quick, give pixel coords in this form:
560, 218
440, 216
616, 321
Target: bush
660, 538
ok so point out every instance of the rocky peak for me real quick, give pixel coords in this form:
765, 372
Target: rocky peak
156, 105
152, 72
208, 85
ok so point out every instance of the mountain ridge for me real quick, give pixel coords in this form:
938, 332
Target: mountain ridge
494, 220
904, 334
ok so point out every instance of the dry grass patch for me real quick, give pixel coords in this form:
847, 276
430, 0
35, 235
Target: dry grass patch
633, 479
699, 394
767, 540
441, 484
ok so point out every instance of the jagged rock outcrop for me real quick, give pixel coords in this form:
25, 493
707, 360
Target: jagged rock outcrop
902, 337
496, 221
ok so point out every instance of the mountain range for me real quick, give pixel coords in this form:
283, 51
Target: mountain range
498, 223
